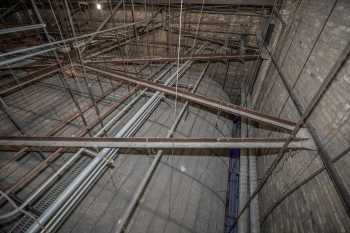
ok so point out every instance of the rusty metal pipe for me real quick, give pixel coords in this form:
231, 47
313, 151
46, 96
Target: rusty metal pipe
202, 100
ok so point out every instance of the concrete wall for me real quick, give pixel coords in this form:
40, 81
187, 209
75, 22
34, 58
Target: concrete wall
315, 206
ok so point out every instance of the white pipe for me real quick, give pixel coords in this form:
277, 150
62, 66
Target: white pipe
243, 222
253, 101
254, 206
152, 142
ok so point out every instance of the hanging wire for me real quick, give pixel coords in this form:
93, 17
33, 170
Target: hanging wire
178, 61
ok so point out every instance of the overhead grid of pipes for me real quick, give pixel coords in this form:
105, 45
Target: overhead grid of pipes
103, 67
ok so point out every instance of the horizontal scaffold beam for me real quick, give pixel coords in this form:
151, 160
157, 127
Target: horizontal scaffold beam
157, 143
211, 2
200, 57
202, 100
21, 28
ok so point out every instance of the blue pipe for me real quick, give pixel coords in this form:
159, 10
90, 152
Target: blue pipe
232, 191
232, 195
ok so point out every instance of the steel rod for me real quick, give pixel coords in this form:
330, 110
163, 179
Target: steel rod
21, 29
202, 100
23, 57
200, 57
152, 142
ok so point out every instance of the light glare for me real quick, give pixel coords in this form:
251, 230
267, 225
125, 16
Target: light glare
98, 6
182, 168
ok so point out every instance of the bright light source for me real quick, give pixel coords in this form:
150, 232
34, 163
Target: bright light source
98, 6
182, 168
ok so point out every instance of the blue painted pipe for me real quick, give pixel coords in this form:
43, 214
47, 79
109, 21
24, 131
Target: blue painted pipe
232, 191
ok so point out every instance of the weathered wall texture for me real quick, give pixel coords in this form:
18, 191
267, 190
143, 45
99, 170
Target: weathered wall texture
315, 206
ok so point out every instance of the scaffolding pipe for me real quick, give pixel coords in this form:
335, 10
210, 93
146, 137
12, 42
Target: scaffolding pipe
200, 57
253, 183
243, 223
21, 29
204, 101
253, 177
153, 142
21, 58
